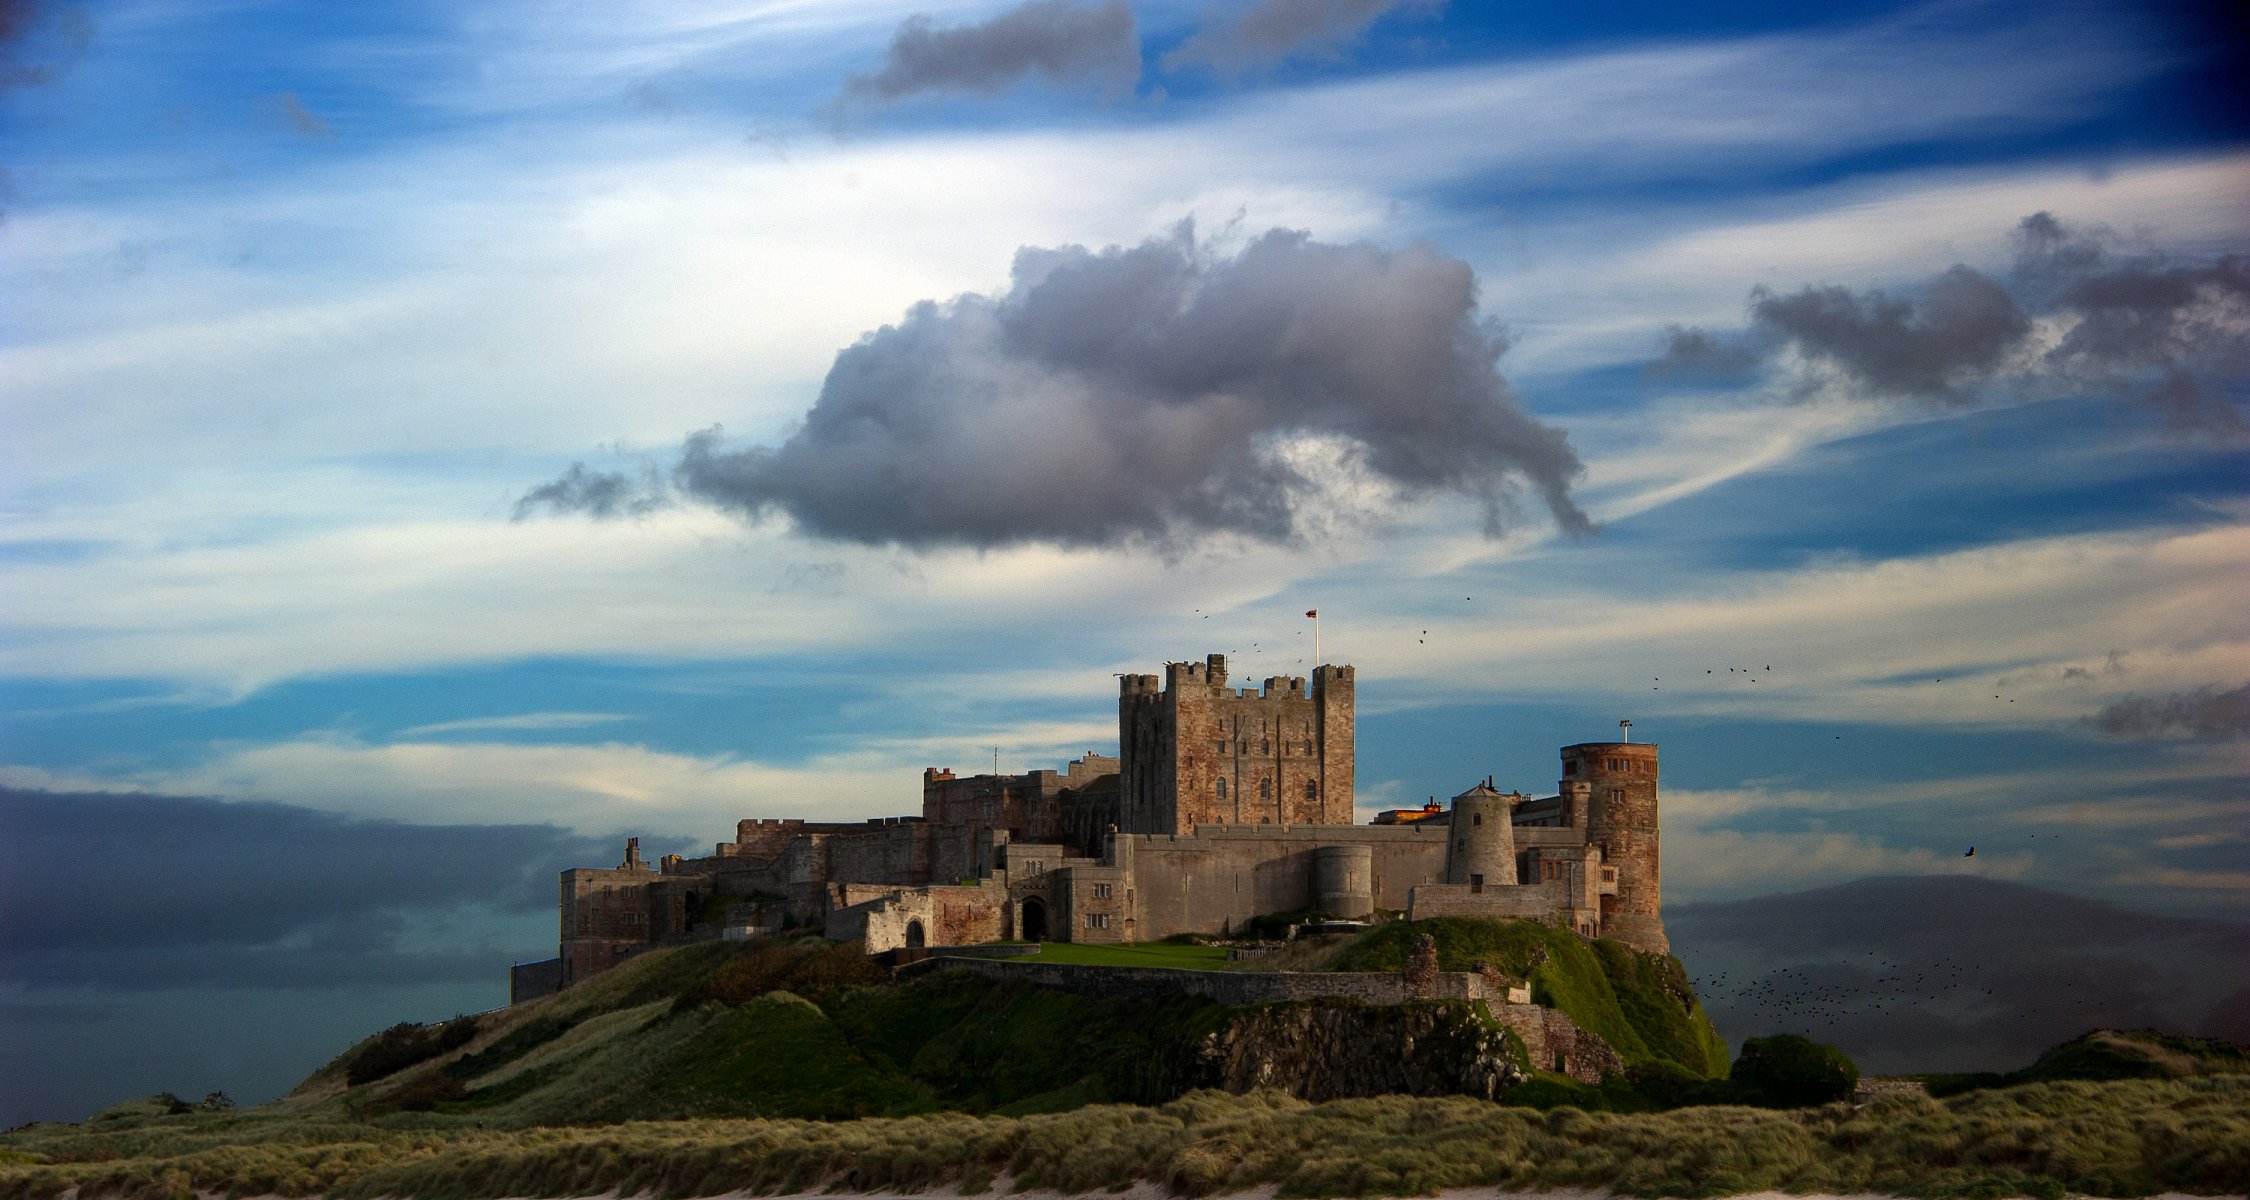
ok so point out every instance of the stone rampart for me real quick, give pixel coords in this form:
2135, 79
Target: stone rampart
1226, 987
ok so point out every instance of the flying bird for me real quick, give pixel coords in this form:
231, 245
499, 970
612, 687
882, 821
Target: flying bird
1971, 853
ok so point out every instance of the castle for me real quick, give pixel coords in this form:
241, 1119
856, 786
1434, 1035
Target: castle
1222, 805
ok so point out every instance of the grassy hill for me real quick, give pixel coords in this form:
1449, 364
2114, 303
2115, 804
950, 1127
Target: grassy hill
807, 1029
2106, 1054
1641, 1004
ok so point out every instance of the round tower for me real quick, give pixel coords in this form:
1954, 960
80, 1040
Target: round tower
1482, 852
1344, 880
1618, 781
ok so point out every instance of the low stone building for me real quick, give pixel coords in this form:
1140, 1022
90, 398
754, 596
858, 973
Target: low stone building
1223, 805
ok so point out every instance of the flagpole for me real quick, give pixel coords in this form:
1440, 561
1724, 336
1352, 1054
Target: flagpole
1314, 613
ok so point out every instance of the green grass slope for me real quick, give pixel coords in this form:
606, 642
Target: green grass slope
800, 1029
1641, 1004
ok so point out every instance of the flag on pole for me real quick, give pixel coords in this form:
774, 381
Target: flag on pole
1312, 612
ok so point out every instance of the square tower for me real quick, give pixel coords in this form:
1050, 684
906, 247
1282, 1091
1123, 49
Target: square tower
1197, 752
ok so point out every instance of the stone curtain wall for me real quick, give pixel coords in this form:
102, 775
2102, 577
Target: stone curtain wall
1223, 876
1226, 987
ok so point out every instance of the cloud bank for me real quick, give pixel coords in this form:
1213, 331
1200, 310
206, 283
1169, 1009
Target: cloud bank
259, 894
2074, 315
1273, 31
1065, 42
1151, 394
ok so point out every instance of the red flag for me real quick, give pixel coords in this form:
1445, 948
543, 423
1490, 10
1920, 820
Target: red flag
1312, 612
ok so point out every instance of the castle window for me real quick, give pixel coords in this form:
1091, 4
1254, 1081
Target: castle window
1222, 746
1308, 745
1461, 845
1476, 818
1265, 747
1570, 767
1312, 789
1265, 789
1617, 795
1097, 920
1101, 891
1222, 785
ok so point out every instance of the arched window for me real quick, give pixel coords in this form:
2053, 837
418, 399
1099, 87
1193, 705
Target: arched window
1312, 789
1265, 789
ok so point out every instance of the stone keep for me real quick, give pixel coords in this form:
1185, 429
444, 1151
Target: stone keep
1198, 752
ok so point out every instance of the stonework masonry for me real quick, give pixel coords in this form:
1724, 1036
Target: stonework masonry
1222, 805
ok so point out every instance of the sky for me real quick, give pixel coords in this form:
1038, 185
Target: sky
442, 440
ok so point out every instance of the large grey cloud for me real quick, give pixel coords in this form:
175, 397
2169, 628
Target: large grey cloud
2171, 334
40, 41
145, 891
1062, 41
1147, 394
1272, 31
1955, 972
2202, 713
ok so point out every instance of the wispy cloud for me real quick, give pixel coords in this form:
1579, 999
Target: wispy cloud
518, 721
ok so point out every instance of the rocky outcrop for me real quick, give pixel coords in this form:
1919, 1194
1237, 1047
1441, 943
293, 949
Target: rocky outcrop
1325, 1051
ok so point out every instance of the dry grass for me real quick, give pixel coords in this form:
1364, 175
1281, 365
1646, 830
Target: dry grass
2125, 1138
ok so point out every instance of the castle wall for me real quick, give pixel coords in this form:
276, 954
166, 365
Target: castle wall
1226, 987
933, 916
529, 981
1219, 878
1532, 901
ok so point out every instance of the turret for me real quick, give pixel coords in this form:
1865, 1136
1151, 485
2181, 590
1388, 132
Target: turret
1482, 852
1618, 783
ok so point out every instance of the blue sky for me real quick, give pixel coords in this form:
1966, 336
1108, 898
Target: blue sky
1893, 558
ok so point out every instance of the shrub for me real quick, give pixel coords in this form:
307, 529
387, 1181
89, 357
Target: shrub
405, 1044
1789, 1071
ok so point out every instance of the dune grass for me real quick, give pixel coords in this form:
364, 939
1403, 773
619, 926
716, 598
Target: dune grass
2118, 1138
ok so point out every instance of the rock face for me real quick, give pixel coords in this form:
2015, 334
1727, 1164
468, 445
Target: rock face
1326, 1051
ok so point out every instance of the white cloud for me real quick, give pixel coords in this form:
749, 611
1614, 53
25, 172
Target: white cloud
524, 721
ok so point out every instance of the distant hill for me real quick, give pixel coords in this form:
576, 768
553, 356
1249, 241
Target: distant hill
2108, 1054
1952, 973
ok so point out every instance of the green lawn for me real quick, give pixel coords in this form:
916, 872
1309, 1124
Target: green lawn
1147, 954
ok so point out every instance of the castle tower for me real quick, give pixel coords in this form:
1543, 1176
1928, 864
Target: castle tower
1198, 752
1617, 781
1482, 852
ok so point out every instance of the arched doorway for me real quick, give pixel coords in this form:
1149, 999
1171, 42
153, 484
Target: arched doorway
915, 937
1034, 920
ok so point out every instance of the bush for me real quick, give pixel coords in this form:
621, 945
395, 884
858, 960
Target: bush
405, 1044
1788, 1071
